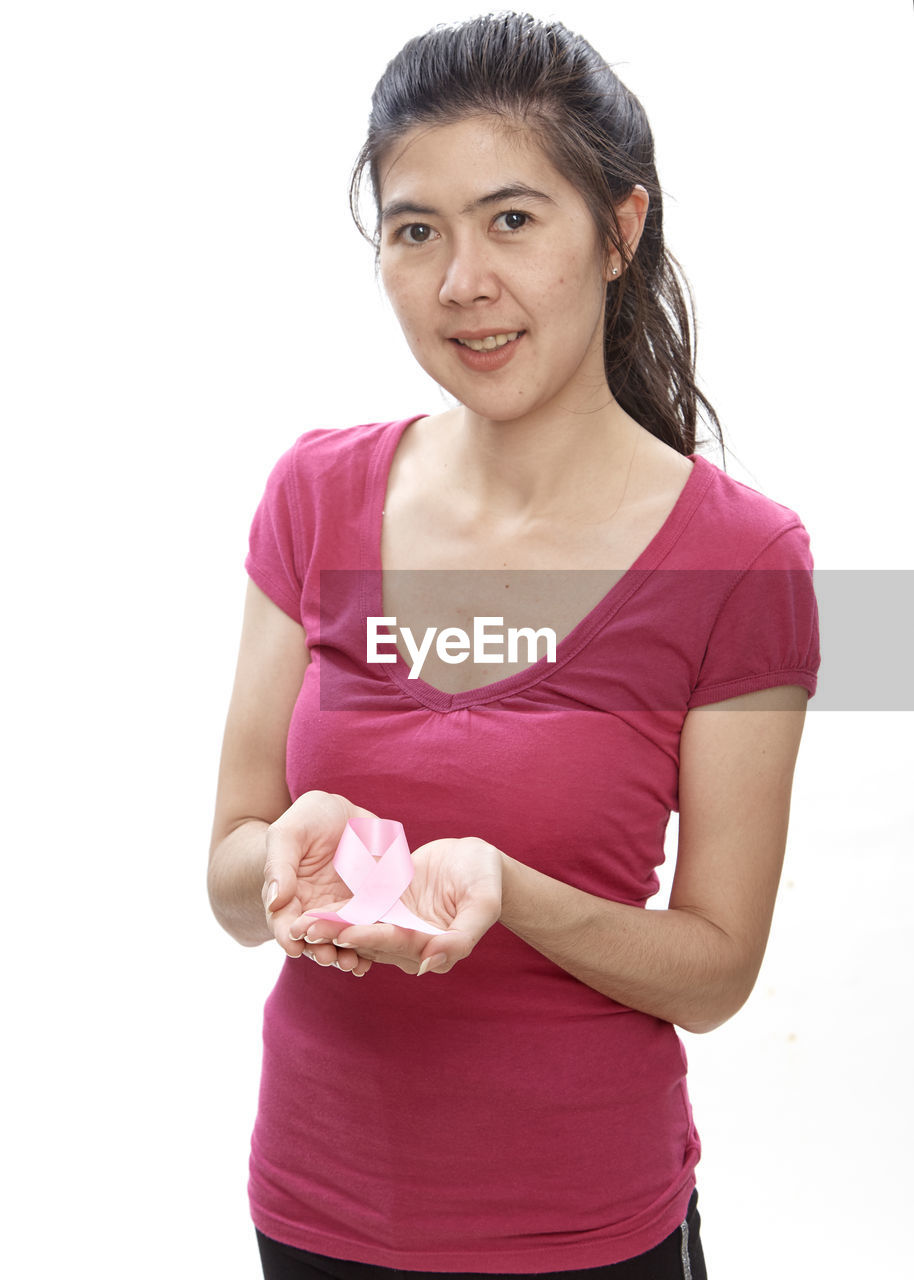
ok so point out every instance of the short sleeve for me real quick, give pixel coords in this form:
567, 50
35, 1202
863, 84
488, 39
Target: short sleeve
766, 632
274, 560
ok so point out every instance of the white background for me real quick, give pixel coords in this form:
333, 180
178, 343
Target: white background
182, 294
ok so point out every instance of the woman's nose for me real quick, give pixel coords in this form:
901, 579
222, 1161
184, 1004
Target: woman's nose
470, 276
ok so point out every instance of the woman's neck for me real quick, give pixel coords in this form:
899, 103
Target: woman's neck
541, 467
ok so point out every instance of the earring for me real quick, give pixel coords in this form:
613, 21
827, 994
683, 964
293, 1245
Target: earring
615, 271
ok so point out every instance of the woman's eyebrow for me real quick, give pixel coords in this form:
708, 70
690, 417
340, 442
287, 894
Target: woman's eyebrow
397, 208
514, 191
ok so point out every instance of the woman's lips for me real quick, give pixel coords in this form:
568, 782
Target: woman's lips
490, 357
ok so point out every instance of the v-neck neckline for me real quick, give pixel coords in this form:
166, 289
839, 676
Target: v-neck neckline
623, 589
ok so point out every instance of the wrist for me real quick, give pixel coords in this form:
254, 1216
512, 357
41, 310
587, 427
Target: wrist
235, 883
518, 894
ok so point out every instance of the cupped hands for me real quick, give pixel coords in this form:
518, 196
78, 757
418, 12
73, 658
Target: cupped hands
456, 887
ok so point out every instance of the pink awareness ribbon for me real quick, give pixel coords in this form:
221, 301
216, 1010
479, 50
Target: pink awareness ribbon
373, 859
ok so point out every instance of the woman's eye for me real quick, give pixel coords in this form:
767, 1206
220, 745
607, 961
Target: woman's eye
416, 233
511, 221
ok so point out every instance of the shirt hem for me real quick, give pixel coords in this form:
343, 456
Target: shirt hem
752, 684
273, 589
536, 1259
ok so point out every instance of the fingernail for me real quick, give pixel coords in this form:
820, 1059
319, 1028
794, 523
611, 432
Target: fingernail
315, 940
433, 963
271, 894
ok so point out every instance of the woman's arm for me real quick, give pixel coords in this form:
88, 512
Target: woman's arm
252, 790
696, 962
270, 859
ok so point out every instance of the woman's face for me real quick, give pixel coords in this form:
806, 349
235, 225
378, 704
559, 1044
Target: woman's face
495, 269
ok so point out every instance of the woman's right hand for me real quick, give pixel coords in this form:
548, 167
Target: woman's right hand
299, 875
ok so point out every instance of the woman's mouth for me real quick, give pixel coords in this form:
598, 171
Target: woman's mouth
490, 342
487, 352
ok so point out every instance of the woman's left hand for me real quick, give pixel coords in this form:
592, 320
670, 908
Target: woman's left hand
456, 886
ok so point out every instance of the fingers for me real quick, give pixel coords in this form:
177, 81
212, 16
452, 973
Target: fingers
382, 943
376, 937
328, 957
315, 929
318, 946
279, 924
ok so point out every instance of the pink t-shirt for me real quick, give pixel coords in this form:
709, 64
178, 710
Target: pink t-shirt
504, 1117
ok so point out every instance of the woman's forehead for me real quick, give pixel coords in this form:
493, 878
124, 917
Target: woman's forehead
462, 161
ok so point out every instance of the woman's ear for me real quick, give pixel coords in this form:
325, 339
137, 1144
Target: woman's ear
631, 214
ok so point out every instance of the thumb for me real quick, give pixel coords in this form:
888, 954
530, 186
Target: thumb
436, 963
468, 926
446, 950
280, 877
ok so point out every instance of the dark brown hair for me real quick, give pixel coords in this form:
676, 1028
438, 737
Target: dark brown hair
594, 131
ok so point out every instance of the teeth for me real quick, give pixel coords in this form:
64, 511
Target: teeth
488, 344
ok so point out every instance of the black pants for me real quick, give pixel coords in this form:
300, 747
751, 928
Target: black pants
678, 1257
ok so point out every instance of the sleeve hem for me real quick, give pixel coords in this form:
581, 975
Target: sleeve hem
276, 590
752, 684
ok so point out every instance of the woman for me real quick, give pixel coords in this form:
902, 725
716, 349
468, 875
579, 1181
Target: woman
525, 1111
